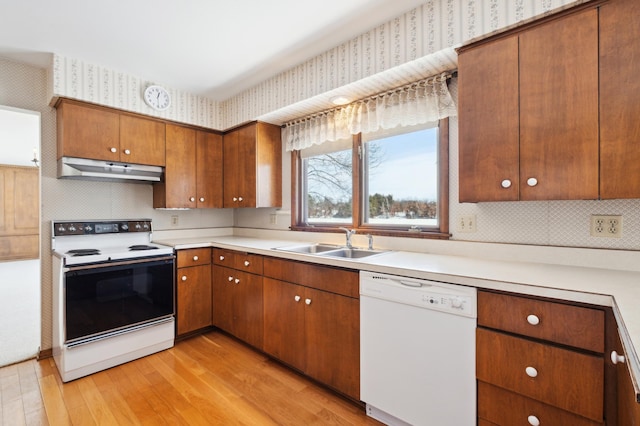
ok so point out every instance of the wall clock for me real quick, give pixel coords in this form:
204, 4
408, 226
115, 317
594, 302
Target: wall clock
157, 97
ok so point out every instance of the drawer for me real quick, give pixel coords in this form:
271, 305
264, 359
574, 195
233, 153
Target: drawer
194, 257
247, 262
564, 378
557, 322
334, 280
497, 406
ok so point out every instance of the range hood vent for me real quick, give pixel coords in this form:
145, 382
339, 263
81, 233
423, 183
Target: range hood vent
82, 168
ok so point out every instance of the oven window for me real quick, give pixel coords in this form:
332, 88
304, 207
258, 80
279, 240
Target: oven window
105, 299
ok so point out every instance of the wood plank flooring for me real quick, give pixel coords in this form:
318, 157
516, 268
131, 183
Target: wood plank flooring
211, 379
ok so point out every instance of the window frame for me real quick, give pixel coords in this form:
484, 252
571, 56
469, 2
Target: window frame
297, 197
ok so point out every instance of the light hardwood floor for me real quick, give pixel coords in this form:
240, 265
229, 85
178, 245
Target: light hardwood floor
210, 379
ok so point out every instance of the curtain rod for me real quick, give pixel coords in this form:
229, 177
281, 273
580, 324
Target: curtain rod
441, 77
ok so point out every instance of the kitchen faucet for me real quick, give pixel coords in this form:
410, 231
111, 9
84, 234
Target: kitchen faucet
349, 233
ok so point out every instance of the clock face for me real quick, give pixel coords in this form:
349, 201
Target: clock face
157, 98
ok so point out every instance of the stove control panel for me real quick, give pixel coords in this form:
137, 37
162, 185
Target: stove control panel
61, 228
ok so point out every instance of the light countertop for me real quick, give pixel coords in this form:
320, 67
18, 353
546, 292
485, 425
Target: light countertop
606, 287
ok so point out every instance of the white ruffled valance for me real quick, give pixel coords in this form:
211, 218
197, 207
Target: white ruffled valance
418, 103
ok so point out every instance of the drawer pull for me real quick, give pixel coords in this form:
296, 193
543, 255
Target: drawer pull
307, 301
531, 372
221, 257
617, 358
237, 280
533, 421
297, 298
184, 278
506, 183
246, 263
533, 320
230, 279
195, 258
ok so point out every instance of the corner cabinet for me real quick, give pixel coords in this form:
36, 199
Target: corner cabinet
193, 290
528, 112
193, 171
100, 133
253, 166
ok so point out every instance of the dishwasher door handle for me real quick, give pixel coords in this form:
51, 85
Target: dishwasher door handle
410, 283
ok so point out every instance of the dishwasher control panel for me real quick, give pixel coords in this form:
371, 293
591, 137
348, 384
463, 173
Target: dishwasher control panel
434, 295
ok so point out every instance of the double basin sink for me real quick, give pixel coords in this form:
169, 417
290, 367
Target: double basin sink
328, 250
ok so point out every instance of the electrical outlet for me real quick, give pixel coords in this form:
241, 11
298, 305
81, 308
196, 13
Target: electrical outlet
467, 223
273, 219
606, 226
174, 220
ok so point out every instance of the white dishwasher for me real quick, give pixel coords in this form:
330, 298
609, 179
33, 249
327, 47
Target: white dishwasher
417, 351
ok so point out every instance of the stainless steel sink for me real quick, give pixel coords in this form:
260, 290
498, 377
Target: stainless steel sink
328, 250
309, 248
353, 253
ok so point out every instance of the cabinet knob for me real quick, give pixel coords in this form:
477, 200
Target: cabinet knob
297, 298
114, 150
127, 151
192, 199
617, 358
184, 278
532, 181
237, 280
235, 198
307, 301
531, 372
239, 198
230, 279
202, 199
533, 421
247, 263
221, 257
533, 319
195, 258
506, 183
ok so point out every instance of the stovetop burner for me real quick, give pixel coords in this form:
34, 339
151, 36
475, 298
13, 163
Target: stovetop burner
83, 252
142, 247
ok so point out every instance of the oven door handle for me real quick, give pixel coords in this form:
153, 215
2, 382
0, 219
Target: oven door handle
121, 263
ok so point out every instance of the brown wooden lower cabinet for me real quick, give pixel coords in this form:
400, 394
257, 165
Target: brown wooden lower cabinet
193, 288
315, 331
237, 304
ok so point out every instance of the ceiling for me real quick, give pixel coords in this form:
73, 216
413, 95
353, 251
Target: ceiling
211, 48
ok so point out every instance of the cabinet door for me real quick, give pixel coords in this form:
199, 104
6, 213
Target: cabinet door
246, 166
193, 298
87, 132
619, 94
332, 324
142, 141
628, 408
208, 170
222, 287
230, 170
489, 122
559, 109
180, 177
248, 312
284, 330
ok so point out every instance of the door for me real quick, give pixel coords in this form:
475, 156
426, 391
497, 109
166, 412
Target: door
248, 311
222, 289
142, 141
231, 172
284, 323
559, 109
193, 298
180, 175
209, 172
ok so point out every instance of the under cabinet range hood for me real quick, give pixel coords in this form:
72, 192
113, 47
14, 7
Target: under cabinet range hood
83, 168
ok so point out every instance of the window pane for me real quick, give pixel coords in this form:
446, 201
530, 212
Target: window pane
401, 180
328, 188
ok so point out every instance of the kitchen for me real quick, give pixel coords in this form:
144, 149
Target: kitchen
542, 232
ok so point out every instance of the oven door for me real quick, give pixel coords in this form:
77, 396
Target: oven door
100, 299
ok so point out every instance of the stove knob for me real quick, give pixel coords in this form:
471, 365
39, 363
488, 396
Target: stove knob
138, 226
88, 228
72, 228
146, 226
61, 229
124, 227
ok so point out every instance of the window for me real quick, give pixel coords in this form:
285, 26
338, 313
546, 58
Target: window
388, 183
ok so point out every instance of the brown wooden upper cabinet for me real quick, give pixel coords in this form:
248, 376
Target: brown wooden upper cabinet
100, 133
619, 94
253, 166
528, 113
193, 171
